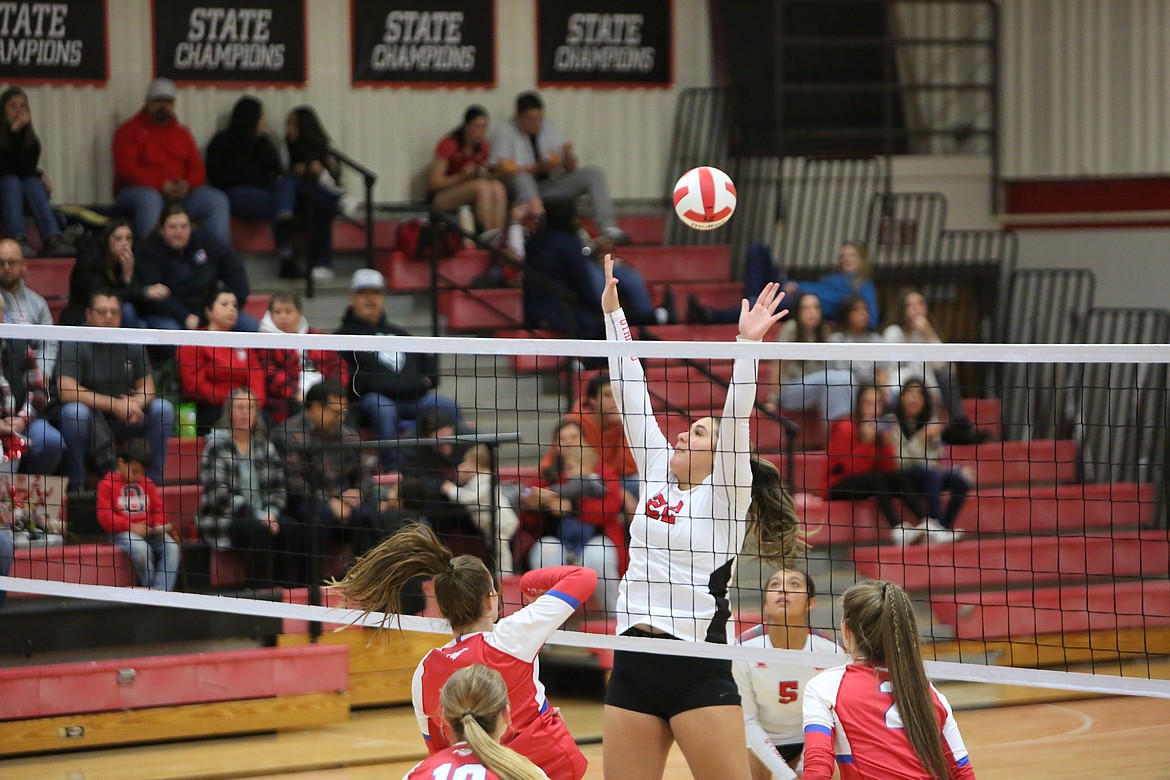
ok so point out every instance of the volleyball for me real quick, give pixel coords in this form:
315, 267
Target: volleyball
704, 198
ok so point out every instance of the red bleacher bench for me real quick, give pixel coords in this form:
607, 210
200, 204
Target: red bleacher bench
81, 564
1070, 508
717, 295
408, 274
482, 310
679, 263
183, 458
1000, 562
254, 236
1110, 606
1019, 462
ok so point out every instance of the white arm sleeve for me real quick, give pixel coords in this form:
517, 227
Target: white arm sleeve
732, 476
633, 400
523, 633
757, 739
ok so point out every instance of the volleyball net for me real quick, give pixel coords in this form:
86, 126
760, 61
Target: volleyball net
1034, 538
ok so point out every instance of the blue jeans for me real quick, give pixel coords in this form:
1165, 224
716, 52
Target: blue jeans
631, 284
245, 323
384, 415
758, 270
144, 205
321, 205
77, 430
256, 203
15, 191
46, 445
931, 482
130, 318
7, 556
155, 558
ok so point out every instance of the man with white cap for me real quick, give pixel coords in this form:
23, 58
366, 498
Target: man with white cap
389, 386
157, 162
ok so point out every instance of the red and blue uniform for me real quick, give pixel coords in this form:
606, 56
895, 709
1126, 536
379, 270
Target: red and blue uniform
447, 763
850, 716
512, 649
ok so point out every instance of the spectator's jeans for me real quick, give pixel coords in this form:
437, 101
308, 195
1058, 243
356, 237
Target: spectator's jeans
77, 430
931, 482
830, 390
256, 203
144, 205
598, 554
383, 415
46, 445
155, 558
321, 206
585, 180
631, 285
15, 191
245, 323
7, 556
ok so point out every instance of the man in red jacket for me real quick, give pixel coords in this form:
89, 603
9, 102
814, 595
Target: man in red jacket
156, 162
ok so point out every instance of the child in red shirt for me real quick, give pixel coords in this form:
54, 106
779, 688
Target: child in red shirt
862, 465
130, 508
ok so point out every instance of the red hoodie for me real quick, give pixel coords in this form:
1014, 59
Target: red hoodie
849, 456
209, 374
150, 155
121, 503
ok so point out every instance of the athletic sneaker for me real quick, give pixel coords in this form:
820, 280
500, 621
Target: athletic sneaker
905, 535
937, 533
322, 273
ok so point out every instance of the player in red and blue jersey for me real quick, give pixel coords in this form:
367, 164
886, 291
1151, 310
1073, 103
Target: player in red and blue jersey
467, 596
879, 717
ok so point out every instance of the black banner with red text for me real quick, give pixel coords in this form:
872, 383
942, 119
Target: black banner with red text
201, 42
63, 41
614, 43
424, 42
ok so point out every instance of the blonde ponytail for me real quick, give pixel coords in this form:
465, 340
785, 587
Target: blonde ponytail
473, 700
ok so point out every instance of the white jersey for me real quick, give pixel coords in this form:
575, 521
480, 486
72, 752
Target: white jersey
683, 543
771, 694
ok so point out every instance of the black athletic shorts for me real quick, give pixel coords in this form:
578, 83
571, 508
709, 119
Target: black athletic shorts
665, 685
791, 751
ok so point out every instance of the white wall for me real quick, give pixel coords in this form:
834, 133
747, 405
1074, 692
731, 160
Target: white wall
392, 130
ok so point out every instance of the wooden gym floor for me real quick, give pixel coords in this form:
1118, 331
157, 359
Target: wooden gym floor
1089, 739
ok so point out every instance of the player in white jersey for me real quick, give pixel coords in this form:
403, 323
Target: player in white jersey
698, 502
771, 691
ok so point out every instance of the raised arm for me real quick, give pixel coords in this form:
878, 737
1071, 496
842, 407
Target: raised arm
633, 400
558, 592
733, 467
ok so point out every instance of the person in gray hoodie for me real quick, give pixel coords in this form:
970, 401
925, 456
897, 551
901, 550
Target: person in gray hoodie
24, 305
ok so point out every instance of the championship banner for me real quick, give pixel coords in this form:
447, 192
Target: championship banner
608, 43
63, 41
198, 42
423, 43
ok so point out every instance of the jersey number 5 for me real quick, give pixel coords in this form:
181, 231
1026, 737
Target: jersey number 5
789, 690
471, 772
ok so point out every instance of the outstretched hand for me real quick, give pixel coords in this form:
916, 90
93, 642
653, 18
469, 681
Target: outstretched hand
609, 296
755, 322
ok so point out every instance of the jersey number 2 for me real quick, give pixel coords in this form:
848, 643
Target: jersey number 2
789, 690
472, 772
893, 718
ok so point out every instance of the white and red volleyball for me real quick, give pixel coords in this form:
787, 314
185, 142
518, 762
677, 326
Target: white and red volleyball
704, 198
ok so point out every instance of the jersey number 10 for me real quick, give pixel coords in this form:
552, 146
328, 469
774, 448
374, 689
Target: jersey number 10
471, 772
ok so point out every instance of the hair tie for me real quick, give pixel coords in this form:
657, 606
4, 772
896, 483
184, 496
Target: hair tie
467, 714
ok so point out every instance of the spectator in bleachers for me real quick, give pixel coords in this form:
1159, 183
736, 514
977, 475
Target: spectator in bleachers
26, 438
109, 264
328, 476
22, 182
853, 327
915, 328
291, 372
390, 387
243, 488
243, 161
575, 514
185, 261
307, 156
557, 253
23, 305
108, 394
916, 434
472, 488
855, 278
459, 175
537, 162
157, 163
601, 426
862, 464
130, 509
426, 469
208, 374
809, 384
